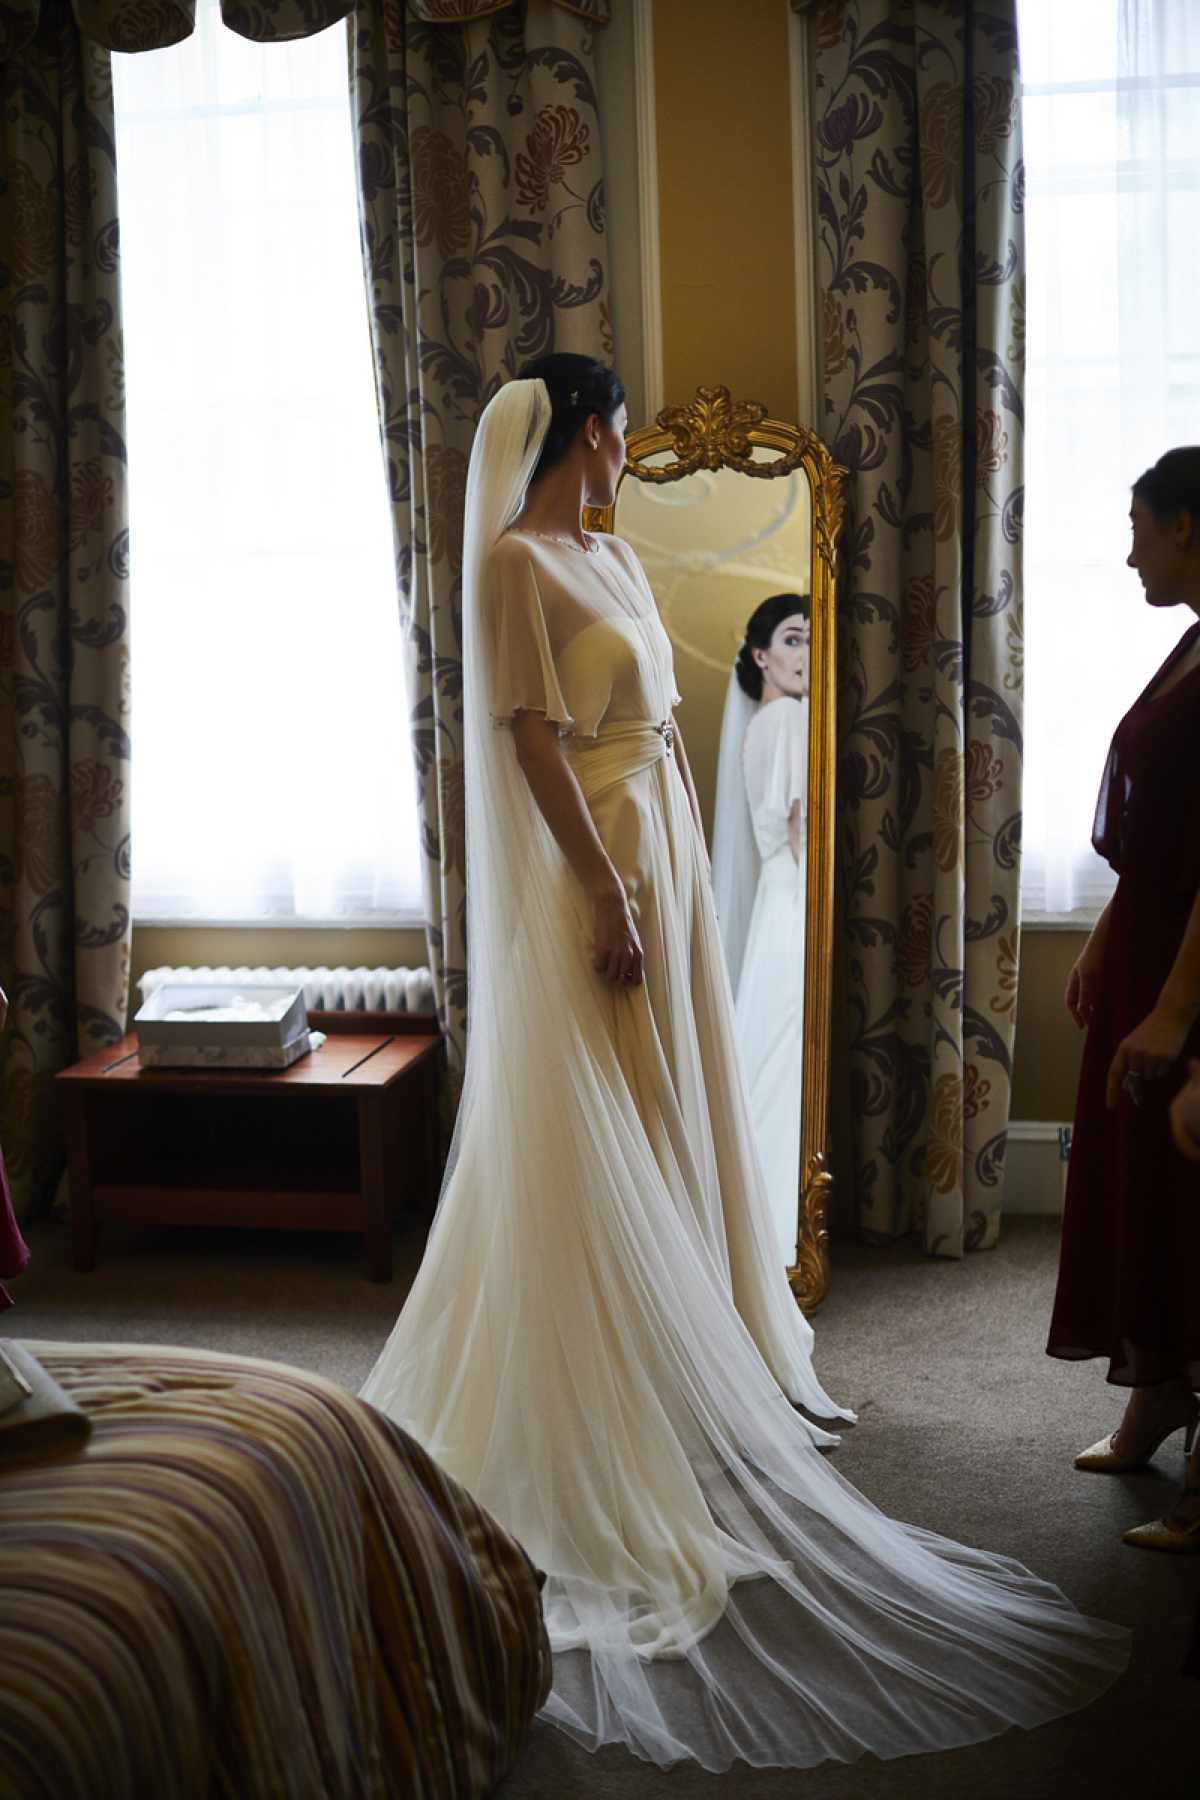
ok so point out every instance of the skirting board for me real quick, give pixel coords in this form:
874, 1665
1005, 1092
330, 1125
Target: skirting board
1035, 1166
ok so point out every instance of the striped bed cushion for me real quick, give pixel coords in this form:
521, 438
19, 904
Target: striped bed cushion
251, 1583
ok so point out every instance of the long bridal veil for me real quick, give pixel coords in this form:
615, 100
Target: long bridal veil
572, 1353
735, 859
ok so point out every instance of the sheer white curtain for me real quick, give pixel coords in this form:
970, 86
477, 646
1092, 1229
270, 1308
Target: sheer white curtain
272, 772
1112, 144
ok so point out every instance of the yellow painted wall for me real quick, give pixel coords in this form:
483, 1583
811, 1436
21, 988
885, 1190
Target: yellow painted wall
727, 245
725, 199
1049, 1045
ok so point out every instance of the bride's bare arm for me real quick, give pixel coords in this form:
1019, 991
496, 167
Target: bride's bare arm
618, 953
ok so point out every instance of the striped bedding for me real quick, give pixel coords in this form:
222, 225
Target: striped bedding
250, 1583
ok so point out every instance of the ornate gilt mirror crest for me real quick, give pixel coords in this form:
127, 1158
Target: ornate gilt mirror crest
728, 508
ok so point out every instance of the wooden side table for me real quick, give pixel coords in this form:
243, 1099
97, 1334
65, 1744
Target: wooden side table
321, 1146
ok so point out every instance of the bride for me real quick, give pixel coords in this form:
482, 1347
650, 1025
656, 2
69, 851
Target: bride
600, 1342
760, 861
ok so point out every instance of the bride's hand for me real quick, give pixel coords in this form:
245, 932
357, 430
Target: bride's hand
618, 954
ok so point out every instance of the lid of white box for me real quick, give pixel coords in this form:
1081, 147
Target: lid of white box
196, 1004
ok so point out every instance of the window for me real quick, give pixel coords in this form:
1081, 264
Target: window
272, 776
1111, 106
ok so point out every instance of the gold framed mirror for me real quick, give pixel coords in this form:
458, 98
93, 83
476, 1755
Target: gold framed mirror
715, 542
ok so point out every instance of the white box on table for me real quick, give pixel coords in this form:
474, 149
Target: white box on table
189, 1026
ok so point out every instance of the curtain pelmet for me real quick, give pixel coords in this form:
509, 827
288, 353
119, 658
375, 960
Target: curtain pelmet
484, 243
64, 749
920, 195
459, 12
133, 25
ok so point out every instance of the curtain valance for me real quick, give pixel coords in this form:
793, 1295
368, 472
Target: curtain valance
153, 24
457, 12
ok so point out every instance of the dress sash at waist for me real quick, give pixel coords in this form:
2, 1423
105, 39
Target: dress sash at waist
617, 752
781, 869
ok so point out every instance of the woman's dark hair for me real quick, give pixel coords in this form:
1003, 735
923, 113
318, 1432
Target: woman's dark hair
761, 627
578, 387
1173, 482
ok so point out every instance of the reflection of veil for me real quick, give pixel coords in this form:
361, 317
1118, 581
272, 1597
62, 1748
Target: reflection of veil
735, 858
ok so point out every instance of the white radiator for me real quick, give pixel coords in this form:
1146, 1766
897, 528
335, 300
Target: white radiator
325, 990
1035, 1166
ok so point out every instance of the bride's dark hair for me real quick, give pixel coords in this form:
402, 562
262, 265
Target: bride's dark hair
1172, 483
578, 386
760, 629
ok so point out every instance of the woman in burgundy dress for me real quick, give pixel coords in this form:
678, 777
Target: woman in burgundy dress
1129, 1279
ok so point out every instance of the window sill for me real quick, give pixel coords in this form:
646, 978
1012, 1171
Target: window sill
1081, 920
366, 921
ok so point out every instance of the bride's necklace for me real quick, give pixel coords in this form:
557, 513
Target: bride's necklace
585, 549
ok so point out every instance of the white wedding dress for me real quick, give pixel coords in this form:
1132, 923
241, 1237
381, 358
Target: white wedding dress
600, 1342
770, 988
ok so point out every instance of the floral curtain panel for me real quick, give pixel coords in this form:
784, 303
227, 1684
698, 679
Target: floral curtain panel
64, 749
483, 232
920, 195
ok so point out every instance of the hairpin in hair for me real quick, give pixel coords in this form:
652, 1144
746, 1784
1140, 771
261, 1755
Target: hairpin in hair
575, 397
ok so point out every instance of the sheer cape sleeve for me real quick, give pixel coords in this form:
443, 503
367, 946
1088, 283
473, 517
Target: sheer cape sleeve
775, 760
523, 672
1148, 813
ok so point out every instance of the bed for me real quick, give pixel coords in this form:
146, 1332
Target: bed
249, 1583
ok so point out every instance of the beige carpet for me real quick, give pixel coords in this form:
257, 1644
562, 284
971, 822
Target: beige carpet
966, 1427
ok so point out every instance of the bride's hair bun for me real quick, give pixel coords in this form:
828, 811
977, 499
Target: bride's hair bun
578, 386
761, 627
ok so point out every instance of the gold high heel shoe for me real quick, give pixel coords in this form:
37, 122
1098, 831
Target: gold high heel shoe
1159, 1535
1102, 1459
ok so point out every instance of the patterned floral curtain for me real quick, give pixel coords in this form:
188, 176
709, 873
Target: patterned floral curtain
64, 748
920, 197
483, 232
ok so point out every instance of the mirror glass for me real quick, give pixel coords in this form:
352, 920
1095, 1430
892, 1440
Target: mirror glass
715, 544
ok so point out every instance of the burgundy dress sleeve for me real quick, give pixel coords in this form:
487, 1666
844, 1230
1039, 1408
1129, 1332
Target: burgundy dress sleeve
13, 1253
1148, 812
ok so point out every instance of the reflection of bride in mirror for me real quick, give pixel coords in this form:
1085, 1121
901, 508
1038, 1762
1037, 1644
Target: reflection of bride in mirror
759, 867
